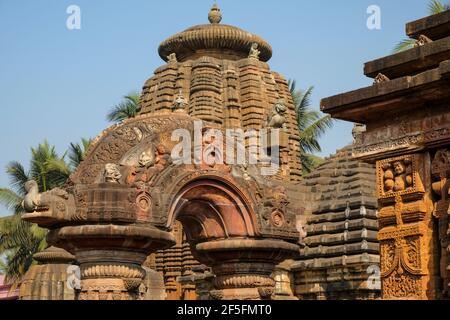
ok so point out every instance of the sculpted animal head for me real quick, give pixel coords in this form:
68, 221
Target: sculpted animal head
31, 186
280, 107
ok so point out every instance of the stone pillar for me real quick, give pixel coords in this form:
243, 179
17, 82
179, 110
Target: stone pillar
440, 169
111, 257
408, 260
244, 267
284, 279
110, 275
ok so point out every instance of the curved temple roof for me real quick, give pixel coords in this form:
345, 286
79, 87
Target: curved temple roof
214, 39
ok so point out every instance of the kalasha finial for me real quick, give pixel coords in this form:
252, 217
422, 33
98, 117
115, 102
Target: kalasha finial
215, 16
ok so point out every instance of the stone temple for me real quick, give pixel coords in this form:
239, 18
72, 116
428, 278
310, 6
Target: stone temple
138, 221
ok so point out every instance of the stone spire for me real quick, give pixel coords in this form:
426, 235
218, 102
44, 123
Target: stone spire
215, 16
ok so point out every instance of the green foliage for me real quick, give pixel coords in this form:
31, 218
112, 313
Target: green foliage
311, 124
20, 240
77, 152
403, 45
436, 6
126, 109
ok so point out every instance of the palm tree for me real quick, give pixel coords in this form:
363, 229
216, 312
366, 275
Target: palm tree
311, 124
126, 109
77, 152
20, 240
434, 7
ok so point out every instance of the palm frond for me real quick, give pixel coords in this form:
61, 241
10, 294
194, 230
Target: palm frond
17, 176
310, 136
57, 173
10, 199
126, 109
77, 152
19, 241
311, 125
305, 102
403, 45
436, 6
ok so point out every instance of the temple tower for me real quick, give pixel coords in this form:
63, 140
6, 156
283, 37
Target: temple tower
132, 192
222, 75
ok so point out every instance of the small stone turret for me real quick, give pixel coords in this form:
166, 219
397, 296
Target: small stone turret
54, 278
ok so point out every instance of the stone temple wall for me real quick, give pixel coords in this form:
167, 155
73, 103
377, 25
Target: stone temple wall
340, 254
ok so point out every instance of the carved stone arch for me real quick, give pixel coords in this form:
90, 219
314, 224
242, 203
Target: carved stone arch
214, 198
119, 207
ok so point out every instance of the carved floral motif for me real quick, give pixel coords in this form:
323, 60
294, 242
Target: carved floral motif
401, 285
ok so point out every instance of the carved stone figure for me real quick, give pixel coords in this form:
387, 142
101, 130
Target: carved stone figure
397, 176
422, 40
172, 58
146, 159
180, 103
112, 173
277, 119
35, 201
150, 163
254, 52
32, 198
357, 132
380, 78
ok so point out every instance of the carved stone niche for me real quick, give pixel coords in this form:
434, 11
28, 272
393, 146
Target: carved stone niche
440, 169
406, 226
399, 184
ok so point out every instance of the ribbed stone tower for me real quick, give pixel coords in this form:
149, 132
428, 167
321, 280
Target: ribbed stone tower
340, 255
221, 73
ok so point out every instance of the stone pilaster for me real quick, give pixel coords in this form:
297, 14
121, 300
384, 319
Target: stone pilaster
440, 168
408, 262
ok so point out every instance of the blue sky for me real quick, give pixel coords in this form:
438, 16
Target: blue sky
58, 84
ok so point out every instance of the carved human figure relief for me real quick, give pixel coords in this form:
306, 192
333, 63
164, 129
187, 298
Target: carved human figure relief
180, 103
254, 52
172, 58
112, 173
357, 133
146, 159
397, 176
